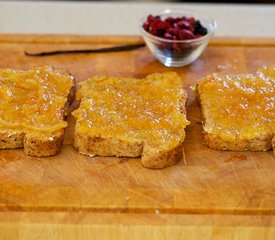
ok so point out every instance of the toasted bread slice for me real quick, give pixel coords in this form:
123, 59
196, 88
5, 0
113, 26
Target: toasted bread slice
33, 105
132, 117
238, 111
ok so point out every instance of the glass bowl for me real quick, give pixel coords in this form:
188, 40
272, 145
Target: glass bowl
178, 53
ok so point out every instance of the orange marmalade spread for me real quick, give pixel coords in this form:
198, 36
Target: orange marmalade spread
33, 100
239, 105
146, 109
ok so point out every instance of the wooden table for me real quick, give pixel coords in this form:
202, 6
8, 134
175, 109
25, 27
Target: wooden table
216, 195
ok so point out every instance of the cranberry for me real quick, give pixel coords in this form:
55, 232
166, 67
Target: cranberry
162, 25
168, 35
171, 30
170, 20
191, 20
184, 24
179, 28
146, 26
185, 34
150, 18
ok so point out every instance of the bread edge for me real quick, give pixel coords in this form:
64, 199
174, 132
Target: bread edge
163, 158
91, 145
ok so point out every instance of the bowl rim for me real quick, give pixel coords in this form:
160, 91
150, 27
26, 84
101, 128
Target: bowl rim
183, 12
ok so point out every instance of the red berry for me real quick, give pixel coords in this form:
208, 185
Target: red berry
179, 28
150, 18
183, 19
183, 24
171, 30
185, 34
191, 20
170, 20
175, 25
162, 25
146, 26
168, 36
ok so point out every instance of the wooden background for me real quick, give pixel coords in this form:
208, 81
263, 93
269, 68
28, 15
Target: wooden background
216, 195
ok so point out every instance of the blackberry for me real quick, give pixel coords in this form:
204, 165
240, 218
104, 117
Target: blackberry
199, 29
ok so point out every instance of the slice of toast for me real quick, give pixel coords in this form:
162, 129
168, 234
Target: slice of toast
33, 105
132, 117
238, 111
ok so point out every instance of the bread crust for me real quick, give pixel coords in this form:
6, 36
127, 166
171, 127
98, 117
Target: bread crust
37, 145
273, 144
113, 147
162, 158
260, 143
11, 139
42, 145
91, 145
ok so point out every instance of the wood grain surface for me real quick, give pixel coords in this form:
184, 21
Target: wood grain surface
216, 195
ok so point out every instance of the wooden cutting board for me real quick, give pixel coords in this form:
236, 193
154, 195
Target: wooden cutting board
215, 195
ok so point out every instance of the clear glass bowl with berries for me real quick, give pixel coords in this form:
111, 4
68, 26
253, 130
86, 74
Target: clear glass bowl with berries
177, 37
